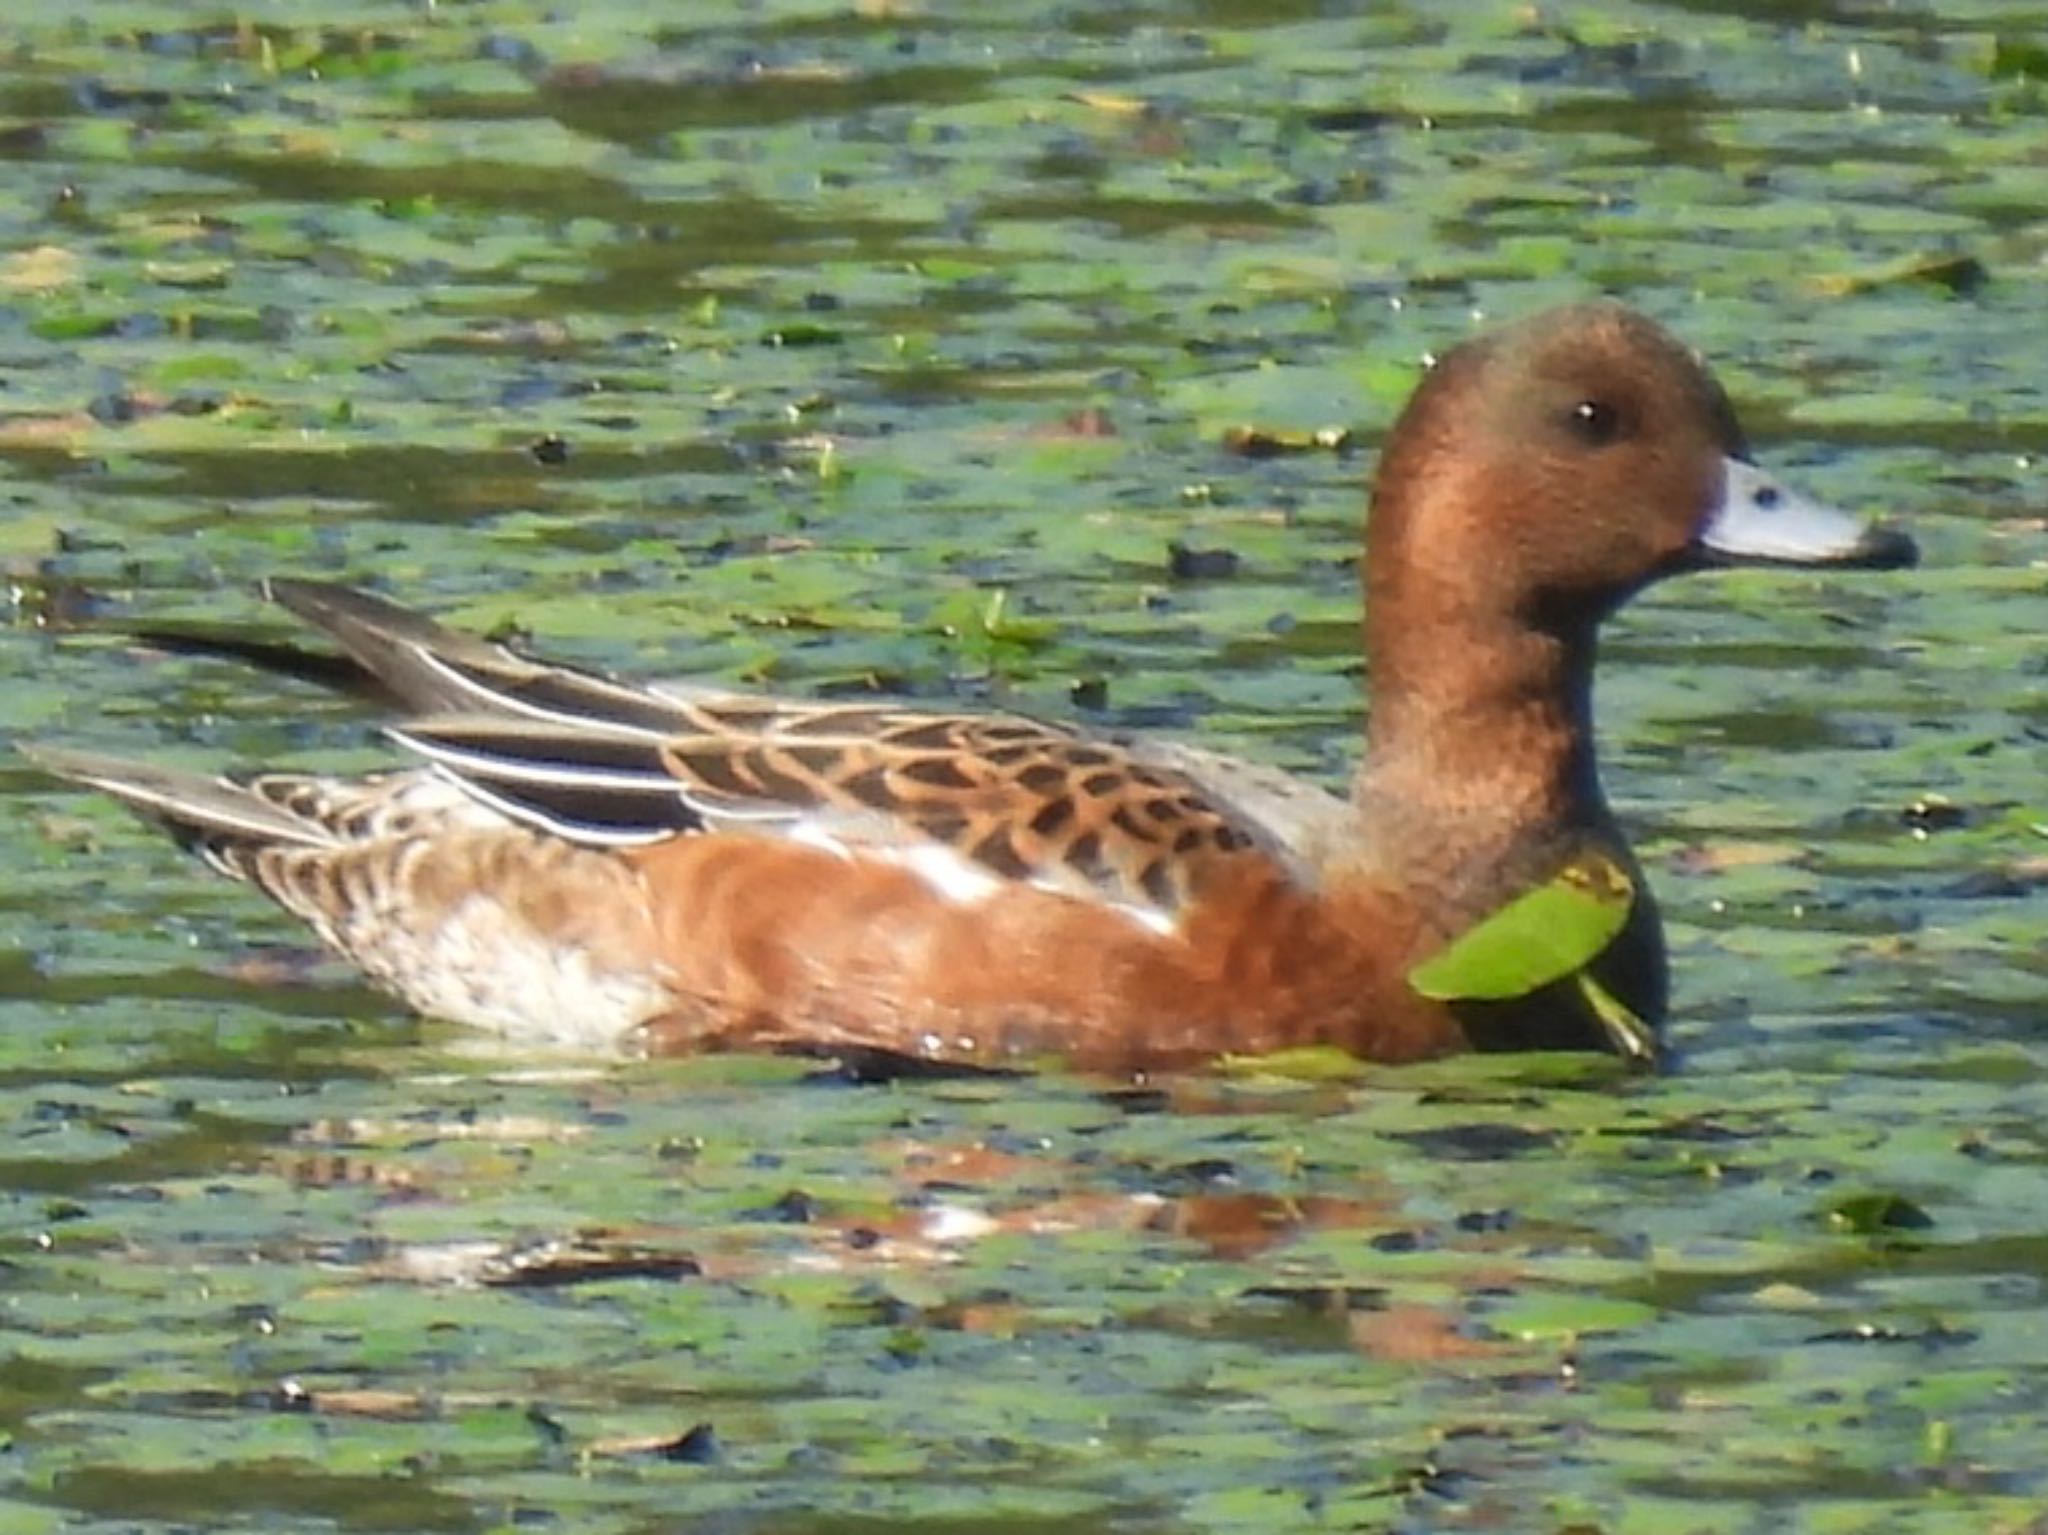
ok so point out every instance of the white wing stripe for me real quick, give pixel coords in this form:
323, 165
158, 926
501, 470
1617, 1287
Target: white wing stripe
575, 831
463, 760
506, 703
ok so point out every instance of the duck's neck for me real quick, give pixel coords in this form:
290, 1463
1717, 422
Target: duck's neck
1480, 724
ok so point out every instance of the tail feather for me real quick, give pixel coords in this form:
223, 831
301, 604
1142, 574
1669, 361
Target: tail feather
394, 644
436, 896
280, 658
433, 670
198, 809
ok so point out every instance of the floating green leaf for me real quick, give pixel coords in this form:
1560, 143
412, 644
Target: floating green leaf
1544, 936
1540, 937
1306, 1063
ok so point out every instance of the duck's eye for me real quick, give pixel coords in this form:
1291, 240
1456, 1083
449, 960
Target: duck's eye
1595, 423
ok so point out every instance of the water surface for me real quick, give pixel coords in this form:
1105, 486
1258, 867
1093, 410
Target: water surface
765, 342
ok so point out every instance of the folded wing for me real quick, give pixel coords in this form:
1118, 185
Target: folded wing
964, 798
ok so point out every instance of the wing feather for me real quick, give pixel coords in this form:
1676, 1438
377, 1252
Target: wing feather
595, 759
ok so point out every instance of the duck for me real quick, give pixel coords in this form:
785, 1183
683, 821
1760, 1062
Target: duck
572, 858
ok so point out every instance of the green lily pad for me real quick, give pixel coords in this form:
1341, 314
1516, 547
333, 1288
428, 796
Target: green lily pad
1546, 935
1307, 1063
1551, 932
